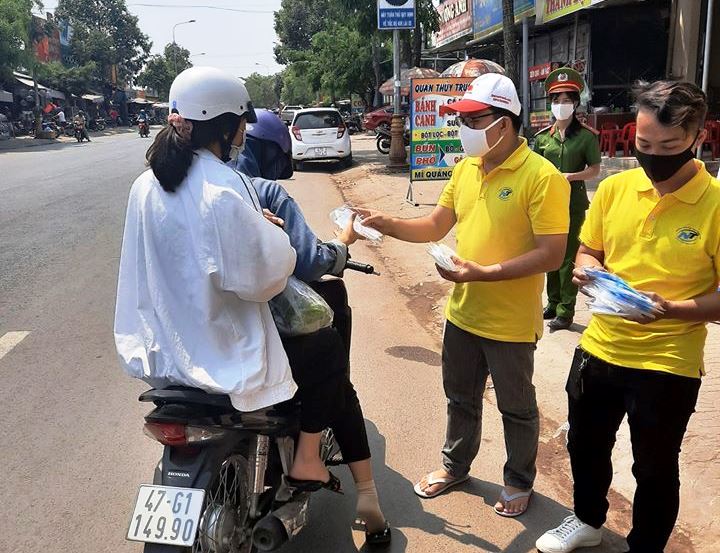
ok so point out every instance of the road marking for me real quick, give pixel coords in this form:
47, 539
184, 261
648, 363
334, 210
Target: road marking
10, 340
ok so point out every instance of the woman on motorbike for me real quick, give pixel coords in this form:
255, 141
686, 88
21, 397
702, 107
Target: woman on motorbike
267, 157
199, 263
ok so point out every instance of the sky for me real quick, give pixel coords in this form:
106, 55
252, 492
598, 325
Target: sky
239, 39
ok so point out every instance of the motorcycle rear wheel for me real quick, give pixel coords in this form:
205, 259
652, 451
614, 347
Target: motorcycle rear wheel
225, 515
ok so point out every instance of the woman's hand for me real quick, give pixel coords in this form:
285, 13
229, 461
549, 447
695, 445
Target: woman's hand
580, 278
274, 219
348, 236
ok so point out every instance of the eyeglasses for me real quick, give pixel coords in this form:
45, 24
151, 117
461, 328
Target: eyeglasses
472, 121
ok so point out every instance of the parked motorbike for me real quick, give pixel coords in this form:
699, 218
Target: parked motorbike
353, 123
384, 138
220, 486
144, 129
96, 124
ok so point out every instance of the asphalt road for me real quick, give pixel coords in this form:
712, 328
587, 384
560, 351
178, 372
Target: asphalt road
73, 451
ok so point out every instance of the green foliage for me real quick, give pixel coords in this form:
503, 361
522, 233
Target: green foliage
106, 33
159, 71
328, 47
15, 17
262, 90
296, 87
75, 80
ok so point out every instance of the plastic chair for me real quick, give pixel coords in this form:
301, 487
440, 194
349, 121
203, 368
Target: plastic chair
608, 136
626, 139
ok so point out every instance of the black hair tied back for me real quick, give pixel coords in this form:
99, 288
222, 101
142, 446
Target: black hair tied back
170, 157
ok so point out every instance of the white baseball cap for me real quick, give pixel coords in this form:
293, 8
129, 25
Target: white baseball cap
487, 91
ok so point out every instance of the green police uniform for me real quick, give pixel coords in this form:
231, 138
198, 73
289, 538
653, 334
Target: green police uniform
571, 155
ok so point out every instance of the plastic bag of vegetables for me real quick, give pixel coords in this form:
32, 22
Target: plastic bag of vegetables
300, 310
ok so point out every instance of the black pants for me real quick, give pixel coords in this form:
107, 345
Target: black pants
328, 398
658, 406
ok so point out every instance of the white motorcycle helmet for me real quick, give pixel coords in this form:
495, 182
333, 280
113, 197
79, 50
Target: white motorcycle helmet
203, 93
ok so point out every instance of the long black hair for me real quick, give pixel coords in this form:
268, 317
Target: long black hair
575, 124
170, 155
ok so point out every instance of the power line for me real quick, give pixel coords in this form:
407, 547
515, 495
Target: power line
200, 6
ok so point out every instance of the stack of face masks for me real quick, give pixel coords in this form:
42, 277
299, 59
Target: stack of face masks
611, 295
443, 256
341, 217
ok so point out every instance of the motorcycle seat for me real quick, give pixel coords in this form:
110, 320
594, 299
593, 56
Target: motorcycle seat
184, 394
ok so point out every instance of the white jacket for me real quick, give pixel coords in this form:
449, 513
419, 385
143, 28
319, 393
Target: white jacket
197, 269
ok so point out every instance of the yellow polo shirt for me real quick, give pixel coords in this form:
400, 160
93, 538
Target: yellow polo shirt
669, 245
498, 216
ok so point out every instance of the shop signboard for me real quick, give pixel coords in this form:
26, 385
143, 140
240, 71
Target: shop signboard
456, 20
435, 146
357, 105
488, 15
541, 71
550, 10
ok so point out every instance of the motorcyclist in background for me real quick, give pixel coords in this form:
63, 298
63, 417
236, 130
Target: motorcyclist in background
81, 120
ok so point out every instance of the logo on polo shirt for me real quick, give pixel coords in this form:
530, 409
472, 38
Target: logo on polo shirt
688, 235
505, 194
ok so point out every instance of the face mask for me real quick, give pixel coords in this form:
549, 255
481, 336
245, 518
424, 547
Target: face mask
562, 112
661, 168
474, 141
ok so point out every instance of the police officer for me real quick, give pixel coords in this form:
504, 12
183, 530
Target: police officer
574, 149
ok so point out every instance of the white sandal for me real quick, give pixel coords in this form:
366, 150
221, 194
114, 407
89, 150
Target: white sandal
448, 482
507, 498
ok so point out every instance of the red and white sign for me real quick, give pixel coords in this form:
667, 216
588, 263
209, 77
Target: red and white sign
455, 20
540, 72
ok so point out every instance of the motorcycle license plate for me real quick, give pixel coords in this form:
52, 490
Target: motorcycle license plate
166, 515
321, 152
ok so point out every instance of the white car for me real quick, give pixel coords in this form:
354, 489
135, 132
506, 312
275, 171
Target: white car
319, 134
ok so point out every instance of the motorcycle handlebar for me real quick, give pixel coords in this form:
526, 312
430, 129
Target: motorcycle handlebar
360, 267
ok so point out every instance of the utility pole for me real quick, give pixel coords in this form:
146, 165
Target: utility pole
175, 43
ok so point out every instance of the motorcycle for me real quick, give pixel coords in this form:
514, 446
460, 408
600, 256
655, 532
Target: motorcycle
220, 486
78, 130
384, 138
97, 124
144, 129
352, 122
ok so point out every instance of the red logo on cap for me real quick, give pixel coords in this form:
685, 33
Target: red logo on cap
501, 99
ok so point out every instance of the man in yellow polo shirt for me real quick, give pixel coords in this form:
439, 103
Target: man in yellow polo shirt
511, 210
657, 227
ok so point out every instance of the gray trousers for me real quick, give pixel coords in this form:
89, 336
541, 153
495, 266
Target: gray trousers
467, 360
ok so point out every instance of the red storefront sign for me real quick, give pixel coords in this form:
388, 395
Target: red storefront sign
540, 72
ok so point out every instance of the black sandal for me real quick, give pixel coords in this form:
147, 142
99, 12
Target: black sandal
383, 537
299, 486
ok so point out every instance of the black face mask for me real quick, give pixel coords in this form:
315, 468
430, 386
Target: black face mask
661, 168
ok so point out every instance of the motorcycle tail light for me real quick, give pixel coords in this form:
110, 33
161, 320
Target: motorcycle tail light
179, 435
341, 131
172, 434
296, 132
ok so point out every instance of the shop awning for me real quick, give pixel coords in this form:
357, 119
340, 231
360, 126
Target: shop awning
139, 101
27, 81
55, 94
161, 105
95, 98
6, 96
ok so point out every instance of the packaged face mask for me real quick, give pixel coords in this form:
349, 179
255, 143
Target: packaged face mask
341, 217
443, 256
611, 295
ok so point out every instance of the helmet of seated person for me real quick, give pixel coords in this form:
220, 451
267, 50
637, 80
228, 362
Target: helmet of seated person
268, 148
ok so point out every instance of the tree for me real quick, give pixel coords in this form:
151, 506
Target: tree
296, 87
509, 40
159, 71
15, 24
105, 32
74, 80
262, 90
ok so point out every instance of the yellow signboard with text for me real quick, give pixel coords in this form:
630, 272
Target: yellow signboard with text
549, 10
